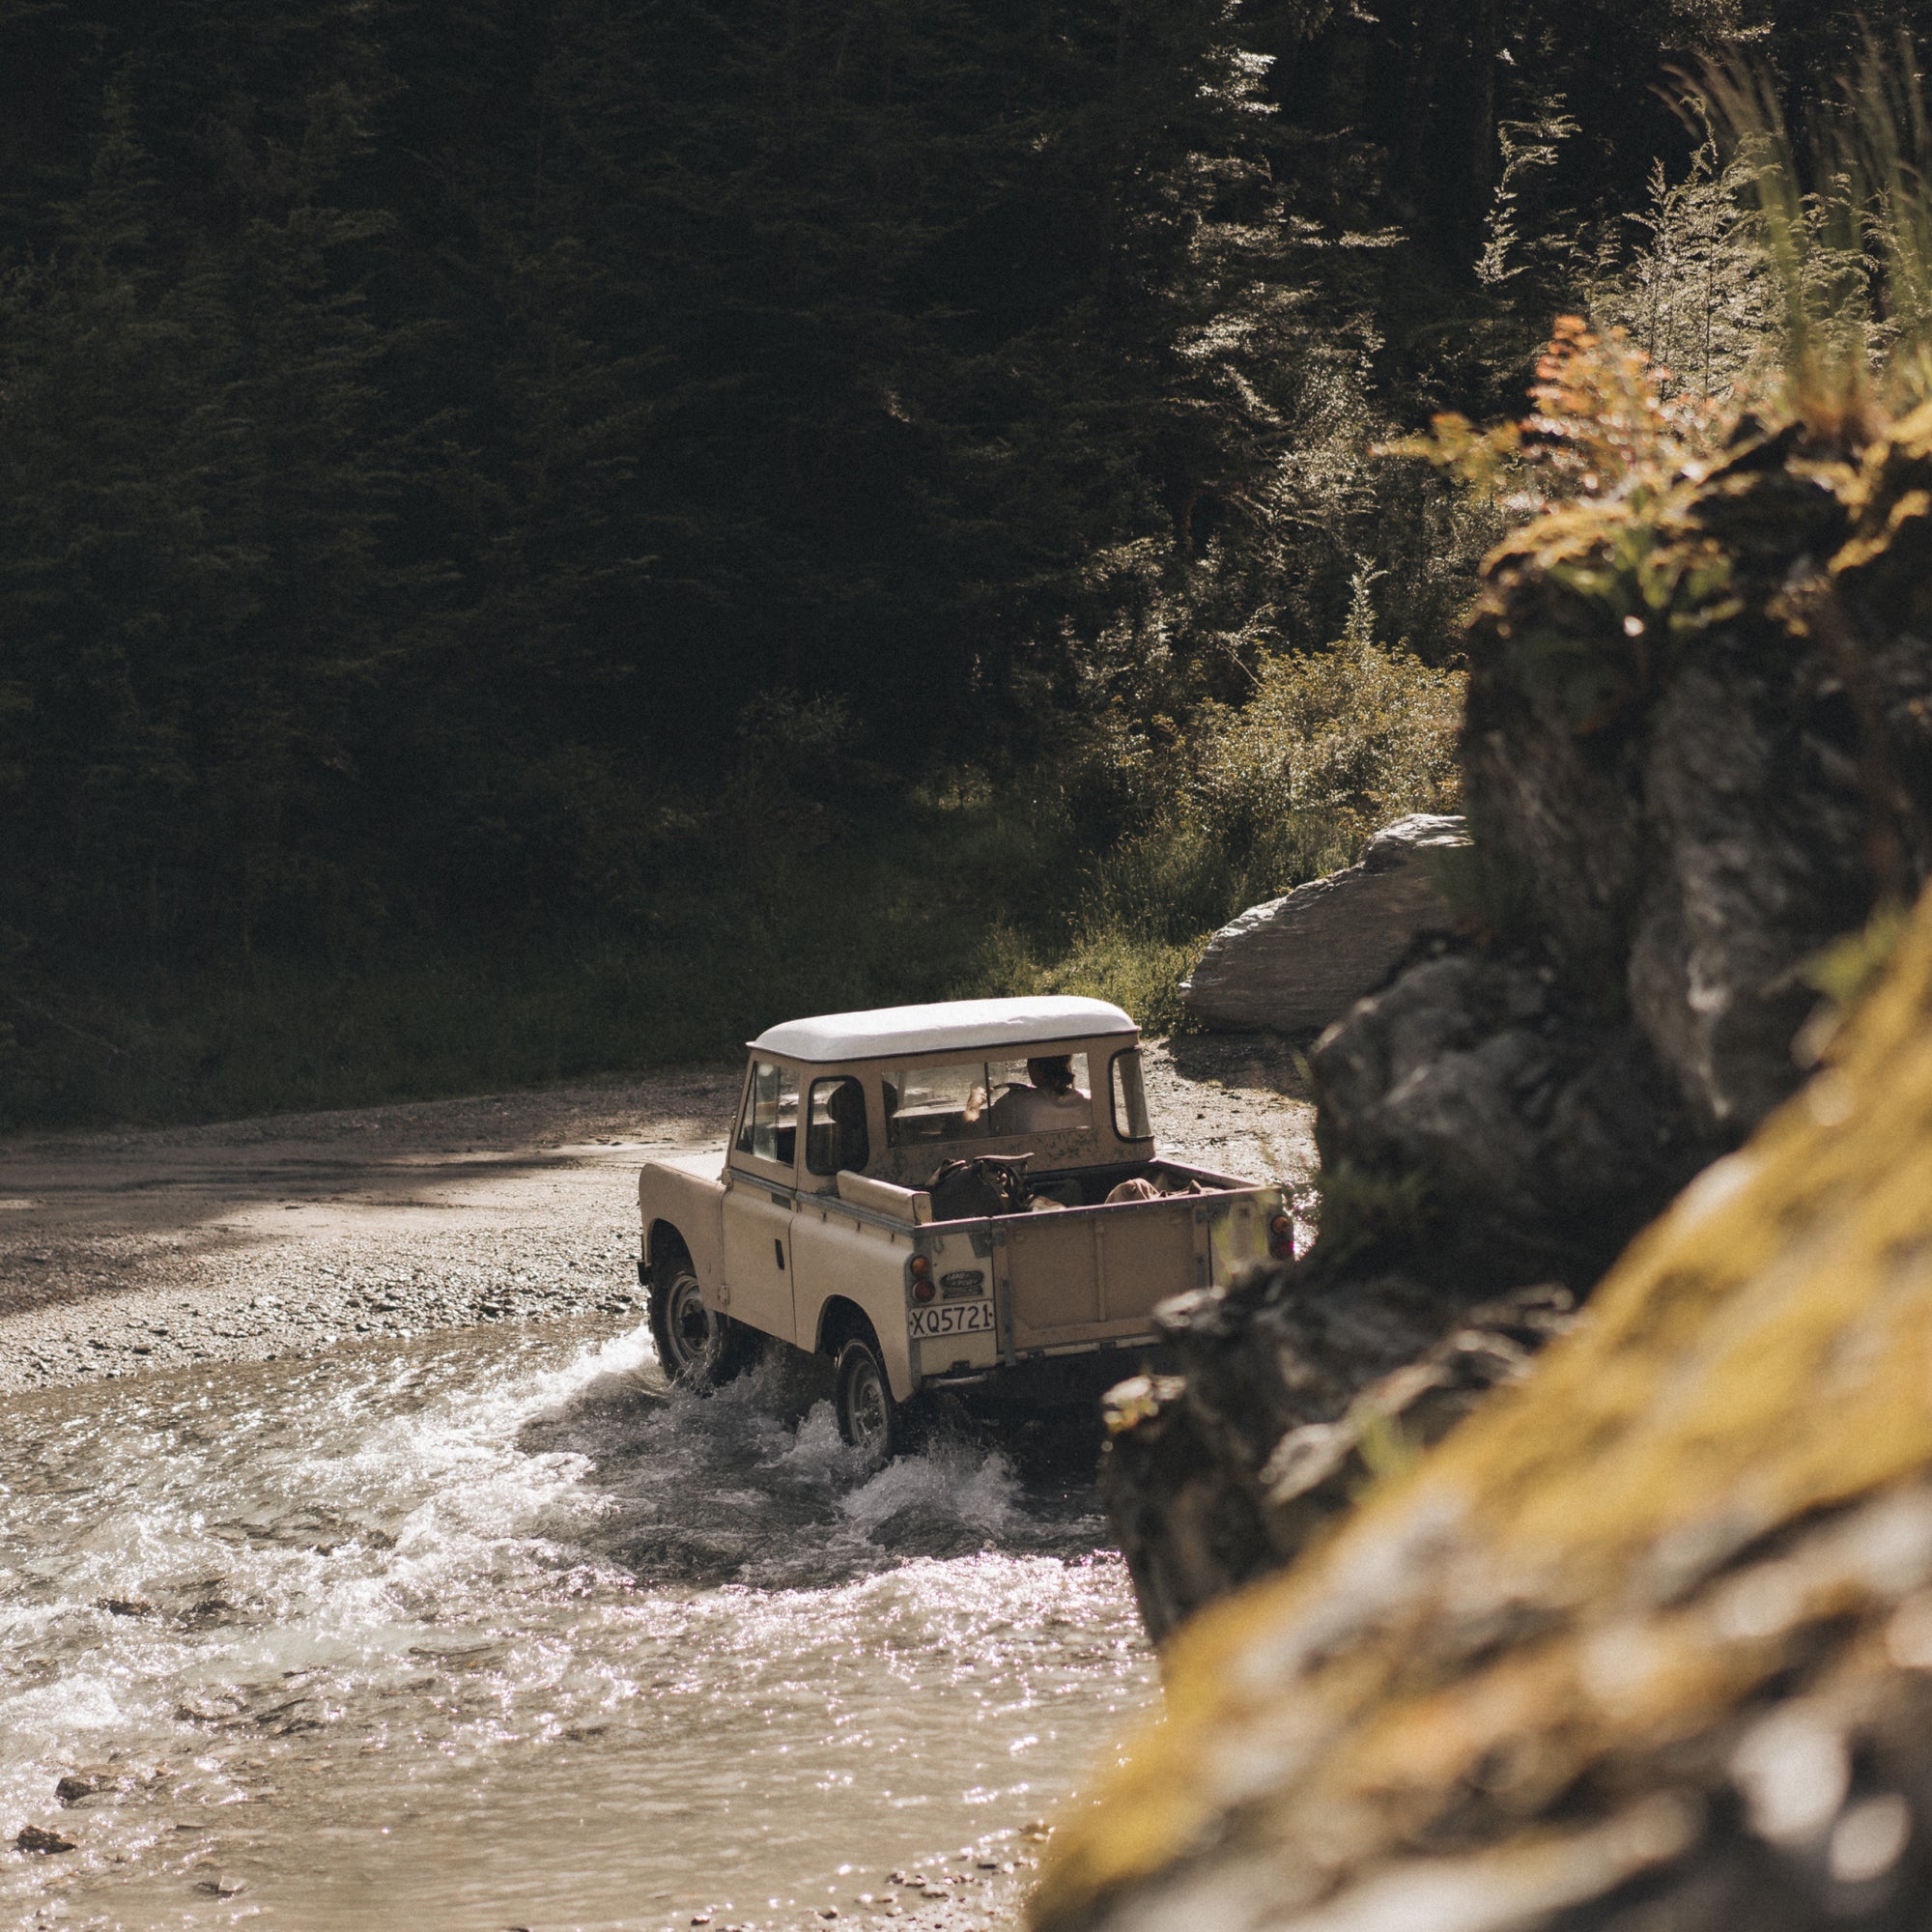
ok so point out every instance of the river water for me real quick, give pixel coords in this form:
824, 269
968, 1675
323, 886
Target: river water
486, 1630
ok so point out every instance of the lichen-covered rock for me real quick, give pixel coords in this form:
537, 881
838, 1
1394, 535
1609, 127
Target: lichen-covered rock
1699, 749
1647, 1642
1297, 963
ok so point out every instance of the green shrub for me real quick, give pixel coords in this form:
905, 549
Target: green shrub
1358, 734
1251, 802
1286, 787
1141, 975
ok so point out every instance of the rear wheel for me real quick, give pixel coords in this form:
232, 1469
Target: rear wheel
697, 1348
868, 1418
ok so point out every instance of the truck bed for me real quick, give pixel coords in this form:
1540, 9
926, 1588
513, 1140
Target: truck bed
1089, 1276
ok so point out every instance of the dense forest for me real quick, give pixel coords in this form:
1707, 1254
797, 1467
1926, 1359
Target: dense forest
803, 494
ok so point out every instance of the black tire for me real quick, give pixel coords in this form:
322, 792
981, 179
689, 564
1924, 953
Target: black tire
697, 1348
868, 1418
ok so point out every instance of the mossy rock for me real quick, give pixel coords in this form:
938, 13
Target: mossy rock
1646, 1642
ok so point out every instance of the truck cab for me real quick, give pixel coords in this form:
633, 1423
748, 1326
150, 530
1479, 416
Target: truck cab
832, 1221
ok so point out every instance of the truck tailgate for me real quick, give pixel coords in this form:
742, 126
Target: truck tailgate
1091, 1274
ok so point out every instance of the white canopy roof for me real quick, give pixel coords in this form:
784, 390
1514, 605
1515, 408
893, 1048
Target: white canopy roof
988, 1026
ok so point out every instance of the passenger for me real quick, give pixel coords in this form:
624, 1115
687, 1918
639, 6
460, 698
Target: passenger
1051, 1103
846, 1107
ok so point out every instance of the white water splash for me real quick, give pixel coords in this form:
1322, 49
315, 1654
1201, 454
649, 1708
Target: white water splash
488, 1630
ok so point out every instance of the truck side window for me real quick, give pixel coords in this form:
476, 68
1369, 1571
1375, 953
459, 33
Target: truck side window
1130, 1113
769, 1129
835, 1134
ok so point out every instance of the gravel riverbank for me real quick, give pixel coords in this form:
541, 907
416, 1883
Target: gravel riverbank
246, 1240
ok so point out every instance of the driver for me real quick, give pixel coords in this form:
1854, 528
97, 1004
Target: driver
1052, 1101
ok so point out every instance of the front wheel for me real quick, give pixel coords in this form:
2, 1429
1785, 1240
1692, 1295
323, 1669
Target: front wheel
697, 1349
868, 1418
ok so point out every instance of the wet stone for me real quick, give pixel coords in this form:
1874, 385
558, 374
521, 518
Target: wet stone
31, 1839
79, 1785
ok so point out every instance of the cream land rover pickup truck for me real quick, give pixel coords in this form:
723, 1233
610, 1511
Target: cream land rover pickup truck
816, 1227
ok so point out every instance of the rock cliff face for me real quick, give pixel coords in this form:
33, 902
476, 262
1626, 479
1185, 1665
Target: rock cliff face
1699, 749
1648, 1642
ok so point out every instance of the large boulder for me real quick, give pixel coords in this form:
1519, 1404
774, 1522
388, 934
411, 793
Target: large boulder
1647, 1642
1297, 963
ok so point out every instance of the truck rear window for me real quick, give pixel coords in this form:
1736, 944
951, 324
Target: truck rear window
987, 1100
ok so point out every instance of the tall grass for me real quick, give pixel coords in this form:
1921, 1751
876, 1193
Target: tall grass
1843, 217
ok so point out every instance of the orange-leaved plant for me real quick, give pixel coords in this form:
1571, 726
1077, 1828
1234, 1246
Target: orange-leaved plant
1601, 425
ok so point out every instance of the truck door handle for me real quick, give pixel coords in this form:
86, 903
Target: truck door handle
778, 1251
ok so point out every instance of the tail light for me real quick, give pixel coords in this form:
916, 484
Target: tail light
1281, 1239
919, 1272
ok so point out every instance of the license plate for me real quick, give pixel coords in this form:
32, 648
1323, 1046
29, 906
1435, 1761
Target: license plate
972, 1318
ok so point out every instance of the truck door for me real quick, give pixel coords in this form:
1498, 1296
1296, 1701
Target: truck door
835, 1251
761, 1178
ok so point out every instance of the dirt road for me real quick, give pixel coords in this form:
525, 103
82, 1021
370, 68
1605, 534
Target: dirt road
252, 1240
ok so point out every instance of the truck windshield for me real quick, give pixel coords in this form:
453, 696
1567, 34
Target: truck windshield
769, 1129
